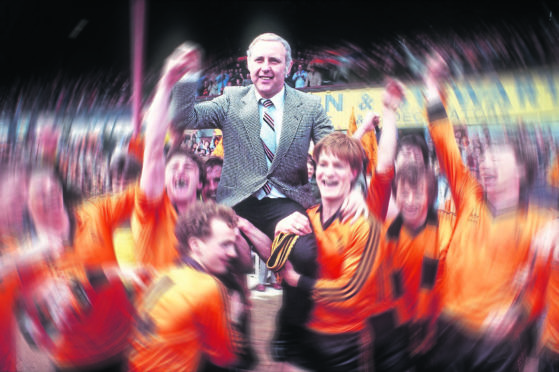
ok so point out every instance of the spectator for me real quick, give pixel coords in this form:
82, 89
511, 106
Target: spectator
247, 80
299, 77
213, 166
314, 77
221, 80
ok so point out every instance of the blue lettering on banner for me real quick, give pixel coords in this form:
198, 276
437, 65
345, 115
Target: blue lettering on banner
458, 94
551, 86
366, 101
329, 100
525, 87
502, 93
471, 93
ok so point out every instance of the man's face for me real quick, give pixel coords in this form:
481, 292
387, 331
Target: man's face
267, 67
216, 252
413, 202
409, 154
46, 203
499, 172
213, 175
334, 177
182, 179
13, 189
310, 169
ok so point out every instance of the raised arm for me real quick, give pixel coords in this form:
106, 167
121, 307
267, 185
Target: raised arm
184, 59
462, 184
378, 194
392, 99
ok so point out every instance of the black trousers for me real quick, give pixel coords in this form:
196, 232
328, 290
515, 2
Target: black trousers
548, 361
118, 363
296, 303
344, 352
457, 351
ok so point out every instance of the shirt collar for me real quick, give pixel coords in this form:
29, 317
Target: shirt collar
277, 100
396, 226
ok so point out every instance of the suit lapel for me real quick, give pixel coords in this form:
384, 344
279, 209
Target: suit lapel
291, 121
251, 122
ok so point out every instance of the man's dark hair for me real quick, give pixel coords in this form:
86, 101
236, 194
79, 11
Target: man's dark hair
415, 140
125, 166
412, 174
212, 161
526, 156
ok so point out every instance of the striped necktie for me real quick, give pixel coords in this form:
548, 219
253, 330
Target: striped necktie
268, 134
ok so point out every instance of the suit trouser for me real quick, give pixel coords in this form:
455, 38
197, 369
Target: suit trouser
456, 350
296, 304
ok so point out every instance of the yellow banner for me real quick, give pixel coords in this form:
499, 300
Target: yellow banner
490, 99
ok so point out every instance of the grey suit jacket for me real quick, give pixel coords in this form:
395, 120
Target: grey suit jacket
245, 170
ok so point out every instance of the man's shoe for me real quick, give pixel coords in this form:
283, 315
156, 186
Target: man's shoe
276, 286
260, 287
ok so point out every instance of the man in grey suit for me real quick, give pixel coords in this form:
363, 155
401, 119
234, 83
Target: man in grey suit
237, 113
264, 176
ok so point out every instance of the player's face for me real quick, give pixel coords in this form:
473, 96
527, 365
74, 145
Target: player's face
334, 177
499, 172
182, 179
267, 67
213, 175
216, 251
413, 202
46, 203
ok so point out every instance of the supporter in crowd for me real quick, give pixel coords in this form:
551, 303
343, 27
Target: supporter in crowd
124, 170
213, 167
492, 282
48, 137
299, 77
247, 80
186, 318
221, 80
85, 229
314, 77
13, 189
311, 173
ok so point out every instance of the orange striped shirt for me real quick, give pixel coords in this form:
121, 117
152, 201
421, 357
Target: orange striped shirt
347, 291
487, 252
183, 317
